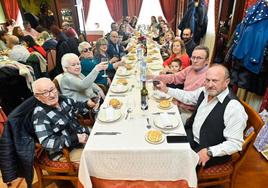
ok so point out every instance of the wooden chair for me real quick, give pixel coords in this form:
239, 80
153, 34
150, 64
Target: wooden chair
225, 174
56, 170
3, 119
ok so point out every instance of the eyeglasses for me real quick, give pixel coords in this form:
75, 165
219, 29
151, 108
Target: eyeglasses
198, 58
87, 49
47, 93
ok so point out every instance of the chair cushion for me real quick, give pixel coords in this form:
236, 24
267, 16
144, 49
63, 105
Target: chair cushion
216, 170
44, 160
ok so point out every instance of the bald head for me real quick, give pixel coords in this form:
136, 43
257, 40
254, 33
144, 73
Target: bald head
12, 40
114, 37
221, 69
217, 80
40, 83
45, 91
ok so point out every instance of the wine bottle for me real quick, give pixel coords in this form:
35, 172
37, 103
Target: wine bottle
144, 96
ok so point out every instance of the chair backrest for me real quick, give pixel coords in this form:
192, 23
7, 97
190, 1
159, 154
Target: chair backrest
3, 119
51, 59
253, 117
56, 81
254, 124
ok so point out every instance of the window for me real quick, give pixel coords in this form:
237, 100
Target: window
154, 8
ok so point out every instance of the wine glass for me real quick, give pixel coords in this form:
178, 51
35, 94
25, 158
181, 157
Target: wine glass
105, 60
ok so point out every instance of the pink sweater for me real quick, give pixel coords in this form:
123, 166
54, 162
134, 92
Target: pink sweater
191, 79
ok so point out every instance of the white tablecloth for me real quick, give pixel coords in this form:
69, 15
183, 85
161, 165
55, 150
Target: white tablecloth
128, 156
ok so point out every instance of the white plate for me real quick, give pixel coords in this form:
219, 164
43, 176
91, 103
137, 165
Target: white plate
102, 116
156, 67
160, 95
123, 73
162, 140
172, 124
119, 88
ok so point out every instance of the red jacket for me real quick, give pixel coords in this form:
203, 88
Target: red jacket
39, 49
185, 60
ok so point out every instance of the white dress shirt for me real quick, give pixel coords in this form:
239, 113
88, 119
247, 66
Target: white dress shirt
235, 118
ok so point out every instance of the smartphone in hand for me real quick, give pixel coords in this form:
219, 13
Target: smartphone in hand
156, 82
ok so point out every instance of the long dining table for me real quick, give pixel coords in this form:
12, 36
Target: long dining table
118, 146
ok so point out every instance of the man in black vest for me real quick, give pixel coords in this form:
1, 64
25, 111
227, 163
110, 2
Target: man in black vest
215, 130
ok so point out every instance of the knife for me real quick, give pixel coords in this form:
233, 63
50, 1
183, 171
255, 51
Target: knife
158, 113
107, 133
117, 95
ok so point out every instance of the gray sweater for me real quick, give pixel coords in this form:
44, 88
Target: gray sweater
79, 88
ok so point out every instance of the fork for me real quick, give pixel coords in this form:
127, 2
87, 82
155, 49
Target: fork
149, 126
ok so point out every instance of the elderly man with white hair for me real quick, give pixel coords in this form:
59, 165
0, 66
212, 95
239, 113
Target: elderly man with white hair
77, 86
55, 123
18, 52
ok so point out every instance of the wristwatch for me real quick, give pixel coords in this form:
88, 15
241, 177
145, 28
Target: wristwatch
209, 152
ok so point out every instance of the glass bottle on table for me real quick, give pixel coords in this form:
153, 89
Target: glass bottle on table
144, 96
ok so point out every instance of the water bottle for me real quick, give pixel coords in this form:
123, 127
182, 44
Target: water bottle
139, 52
143, 70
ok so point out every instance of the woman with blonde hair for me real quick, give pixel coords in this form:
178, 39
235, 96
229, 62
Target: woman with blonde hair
178, 52
101, 53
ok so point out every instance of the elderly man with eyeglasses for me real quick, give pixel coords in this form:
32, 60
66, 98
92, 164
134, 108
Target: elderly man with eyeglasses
55, 122
193, 77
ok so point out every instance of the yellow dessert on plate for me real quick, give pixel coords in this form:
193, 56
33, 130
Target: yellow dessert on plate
115, 103
164, 103
122, 81
154, 136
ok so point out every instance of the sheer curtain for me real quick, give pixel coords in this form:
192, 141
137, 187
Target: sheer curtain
149, 8
209, 39
99, 13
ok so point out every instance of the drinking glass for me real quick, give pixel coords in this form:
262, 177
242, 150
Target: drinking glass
104, 59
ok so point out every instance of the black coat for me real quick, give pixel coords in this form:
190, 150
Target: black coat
17, 144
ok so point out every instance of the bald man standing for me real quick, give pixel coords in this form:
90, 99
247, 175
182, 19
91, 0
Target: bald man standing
55, 122
215, 129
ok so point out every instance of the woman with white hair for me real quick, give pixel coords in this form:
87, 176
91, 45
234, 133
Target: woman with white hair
74, 84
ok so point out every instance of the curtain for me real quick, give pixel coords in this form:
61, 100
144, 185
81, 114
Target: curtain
86, 4
134, 7
11, 8
217, 6
169, 8
115, 8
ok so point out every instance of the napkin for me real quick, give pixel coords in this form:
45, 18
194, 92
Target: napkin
165, 120
109, 113
161, 94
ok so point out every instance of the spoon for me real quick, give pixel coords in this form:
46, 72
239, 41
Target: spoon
128, 111
149, 126
132, 86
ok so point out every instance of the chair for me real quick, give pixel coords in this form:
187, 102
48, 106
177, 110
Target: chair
55, 170
3, 119
225, 174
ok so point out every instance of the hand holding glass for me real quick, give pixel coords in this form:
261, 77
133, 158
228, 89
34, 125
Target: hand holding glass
104, 60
